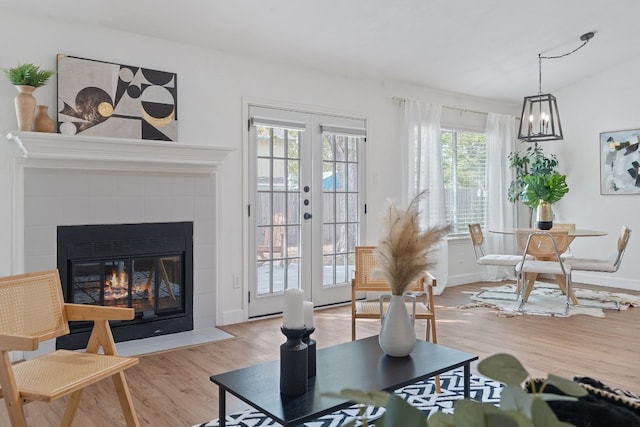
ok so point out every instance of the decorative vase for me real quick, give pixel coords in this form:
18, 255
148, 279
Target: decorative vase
397, 334
42, 122
25, 104
544, 216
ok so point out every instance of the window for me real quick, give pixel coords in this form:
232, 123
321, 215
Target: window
463, 164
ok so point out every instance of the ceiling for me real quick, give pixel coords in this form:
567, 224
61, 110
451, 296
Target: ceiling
484, 48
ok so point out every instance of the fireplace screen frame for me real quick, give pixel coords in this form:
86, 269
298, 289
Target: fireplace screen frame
104, 243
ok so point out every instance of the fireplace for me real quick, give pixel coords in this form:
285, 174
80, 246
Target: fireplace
148, 267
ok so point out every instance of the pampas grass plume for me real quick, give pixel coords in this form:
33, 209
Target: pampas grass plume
403, 251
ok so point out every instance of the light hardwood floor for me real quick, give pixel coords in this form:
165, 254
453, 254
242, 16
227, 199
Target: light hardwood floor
172, 389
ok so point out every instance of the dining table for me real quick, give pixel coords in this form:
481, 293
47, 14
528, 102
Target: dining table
572, 234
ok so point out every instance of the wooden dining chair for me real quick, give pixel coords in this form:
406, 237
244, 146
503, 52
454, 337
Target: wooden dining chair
542, 255
560, 226
367, 309
32, 310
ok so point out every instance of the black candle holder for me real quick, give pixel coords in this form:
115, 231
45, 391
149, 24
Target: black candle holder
311, 352
293, 362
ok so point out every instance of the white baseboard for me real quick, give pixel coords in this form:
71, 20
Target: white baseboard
606, 280
230, 317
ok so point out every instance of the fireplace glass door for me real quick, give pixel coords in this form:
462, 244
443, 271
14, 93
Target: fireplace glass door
150, 285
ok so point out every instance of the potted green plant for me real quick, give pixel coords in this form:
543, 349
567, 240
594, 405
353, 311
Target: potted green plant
26, 78
517, 407
536, 180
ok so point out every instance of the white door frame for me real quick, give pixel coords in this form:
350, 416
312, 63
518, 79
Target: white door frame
248, 187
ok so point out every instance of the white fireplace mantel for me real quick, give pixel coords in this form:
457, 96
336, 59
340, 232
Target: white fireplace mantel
56, 151
53, 150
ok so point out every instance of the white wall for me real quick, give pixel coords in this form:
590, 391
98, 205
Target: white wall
212, 86
605, 102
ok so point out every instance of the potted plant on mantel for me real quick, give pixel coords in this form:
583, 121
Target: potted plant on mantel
26, 78
537, 183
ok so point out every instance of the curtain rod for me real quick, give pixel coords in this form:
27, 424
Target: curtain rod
462, 110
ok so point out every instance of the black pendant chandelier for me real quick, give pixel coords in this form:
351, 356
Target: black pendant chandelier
540, 120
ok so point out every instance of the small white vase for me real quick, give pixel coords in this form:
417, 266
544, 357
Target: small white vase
397, 334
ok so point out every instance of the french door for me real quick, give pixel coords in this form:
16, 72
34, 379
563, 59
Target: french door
305, 205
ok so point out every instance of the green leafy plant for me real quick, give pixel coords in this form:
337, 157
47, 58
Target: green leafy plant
550, 188
531, 161
536, 175
517, 407
28, 75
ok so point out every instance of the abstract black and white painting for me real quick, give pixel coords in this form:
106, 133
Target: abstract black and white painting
97, 98
620, 162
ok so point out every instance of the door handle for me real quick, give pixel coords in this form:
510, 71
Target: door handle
307, 215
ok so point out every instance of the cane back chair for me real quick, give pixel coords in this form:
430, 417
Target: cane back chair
364, 309
32, 310
542, 255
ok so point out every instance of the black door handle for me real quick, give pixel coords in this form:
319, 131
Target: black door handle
307, 215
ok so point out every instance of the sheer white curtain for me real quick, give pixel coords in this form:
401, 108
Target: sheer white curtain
422, 131
500, 213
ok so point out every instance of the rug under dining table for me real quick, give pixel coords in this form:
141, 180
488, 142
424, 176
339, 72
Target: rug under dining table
546, 298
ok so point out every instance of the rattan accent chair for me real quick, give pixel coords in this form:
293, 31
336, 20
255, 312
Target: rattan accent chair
369, 309
32, 310
542, 255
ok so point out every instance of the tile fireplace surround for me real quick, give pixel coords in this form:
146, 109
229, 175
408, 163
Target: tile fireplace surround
78, 180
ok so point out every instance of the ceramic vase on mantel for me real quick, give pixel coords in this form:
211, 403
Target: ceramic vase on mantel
25, 104
42, 122
397, 335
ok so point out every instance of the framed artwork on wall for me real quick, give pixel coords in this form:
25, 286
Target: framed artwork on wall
97, 98
620, 162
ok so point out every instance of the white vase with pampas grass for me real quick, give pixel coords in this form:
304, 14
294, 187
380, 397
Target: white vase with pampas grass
403, 256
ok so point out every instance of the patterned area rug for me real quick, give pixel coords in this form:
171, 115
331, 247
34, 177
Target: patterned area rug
421, 395
547, 300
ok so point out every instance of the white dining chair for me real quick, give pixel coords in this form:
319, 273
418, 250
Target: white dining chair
542, 255
500, 260
477, 239
603, 265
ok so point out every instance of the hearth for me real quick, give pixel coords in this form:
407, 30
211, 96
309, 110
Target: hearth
148, 267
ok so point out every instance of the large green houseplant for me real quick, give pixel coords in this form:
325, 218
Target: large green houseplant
549, 188
536, 178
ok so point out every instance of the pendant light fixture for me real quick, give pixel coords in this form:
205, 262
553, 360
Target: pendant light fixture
540, 120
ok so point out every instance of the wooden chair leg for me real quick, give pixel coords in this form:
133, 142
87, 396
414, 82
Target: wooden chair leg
434, 336
102, 336
10, 392
71, 409
126, 403
353, 328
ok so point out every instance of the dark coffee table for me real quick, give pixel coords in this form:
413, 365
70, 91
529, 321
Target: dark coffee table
357, 364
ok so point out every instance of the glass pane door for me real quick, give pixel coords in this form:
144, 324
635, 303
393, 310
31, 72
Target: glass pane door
340, 215
305, 208
277, 210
